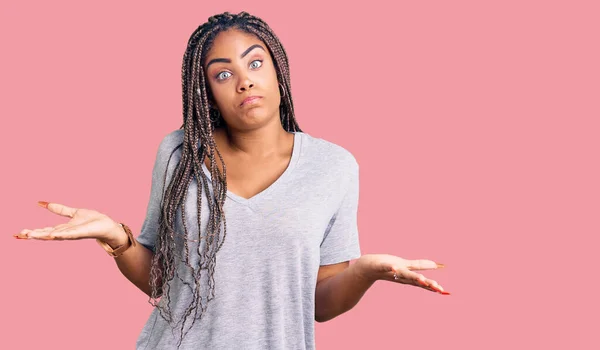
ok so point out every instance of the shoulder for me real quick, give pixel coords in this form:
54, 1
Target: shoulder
171, 140
329, 154
333, 166
169, 143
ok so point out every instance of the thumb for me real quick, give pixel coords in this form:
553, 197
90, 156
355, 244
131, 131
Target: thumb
423, 264
59, 209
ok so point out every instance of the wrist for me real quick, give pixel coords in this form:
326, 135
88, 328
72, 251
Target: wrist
119, 248
116, 237
365, 271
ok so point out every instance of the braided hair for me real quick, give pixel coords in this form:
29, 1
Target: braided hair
199, 122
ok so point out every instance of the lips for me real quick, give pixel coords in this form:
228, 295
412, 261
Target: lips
250, 100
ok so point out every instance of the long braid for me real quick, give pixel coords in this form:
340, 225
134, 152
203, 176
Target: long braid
199, 121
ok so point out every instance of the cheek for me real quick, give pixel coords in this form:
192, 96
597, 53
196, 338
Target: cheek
221, 94
269, 77
273, 84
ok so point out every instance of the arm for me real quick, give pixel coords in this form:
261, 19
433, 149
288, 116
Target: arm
339, 288
134, 263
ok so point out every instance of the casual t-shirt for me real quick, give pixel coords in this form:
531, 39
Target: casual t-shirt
266, 270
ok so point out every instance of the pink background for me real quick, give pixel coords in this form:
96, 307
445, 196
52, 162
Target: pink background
475, 125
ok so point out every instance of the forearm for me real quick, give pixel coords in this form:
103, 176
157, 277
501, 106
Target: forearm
135, 264
341, 292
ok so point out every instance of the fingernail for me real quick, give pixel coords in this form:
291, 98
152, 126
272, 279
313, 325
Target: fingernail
445, 293
439, 266
43, 204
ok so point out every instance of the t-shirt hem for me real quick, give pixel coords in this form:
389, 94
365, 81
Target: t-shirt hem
339, 259
149, 246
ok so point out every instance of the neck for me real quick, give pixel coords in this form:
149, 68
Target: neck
262, 142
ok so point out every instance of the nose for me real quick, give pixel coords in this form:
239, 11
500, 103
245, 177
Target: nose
245, 84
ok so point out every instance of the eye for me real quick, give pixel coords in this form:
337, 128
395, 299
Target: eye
255, 66
221, 76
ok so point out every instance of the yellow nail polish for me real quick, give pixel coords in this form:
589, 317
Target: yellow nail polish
439, 266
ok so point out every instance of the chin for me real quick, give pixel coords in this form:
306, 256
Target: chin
254, 118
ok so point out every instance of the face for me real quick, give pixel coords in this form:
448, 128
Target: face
239, 66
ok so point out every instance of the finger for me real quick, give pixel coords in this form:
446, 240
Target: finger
423, 264
24, 234
403, 280
432, 286
61, 226
413, 282
417, 279
59, 209
70, 232
55, 234
404, 272
41, 233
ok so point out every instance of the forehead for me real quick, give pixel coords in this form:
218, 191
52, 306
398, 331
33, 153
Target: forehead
231, 43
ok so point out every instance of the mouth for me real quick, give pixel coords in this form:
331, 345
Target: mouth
250, 100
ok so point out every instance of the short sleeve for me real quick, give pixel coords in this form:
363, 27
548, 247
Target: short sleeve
149, 231
341, 242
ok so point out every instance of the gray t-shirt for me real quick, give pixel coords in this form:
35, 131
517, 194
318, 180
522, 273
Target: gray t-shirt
266, 269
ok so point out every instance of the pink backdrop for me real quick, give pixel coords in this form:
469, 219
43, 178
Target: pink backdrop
475, 125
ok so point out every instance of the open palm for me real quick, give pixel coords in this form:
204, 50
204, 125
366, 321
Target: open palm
397, 269
83, 223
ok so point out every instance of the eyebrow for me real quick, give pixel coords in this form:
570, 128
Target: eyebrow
227, 60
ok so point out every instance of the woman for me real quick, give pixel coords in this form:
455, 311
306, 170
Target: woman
250, 241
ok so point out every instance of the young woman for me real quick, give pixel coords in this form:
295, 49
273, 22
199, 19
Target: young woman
251, 222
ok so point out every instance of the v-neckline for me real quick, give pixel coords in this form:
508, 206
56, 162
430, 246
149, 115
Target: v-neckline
292, 163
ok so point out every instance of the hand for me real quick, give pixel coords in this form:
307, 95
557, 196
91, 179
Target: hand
84, 223
396, 269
